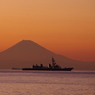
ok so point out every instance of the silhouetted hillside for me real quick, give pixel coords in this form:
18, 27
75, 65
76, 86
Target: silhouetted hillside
26, 53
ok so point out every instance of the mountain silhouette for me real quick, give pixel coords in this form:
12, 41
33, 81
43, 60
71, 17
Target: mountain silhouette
26, 53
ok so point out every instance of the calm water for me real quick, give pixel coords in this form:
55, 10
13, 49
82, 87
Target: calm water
47, 83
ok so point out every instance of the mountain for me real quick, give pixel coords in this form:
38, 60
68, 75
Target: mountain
26, 53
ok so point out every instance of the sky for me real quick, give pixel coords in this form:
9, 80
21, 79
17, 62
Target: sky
66, 27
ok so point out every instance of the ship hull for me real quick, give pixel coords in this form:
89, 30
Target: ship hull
48, 69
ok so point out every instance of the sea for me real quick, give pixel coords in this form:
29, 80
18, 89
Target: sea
19, 82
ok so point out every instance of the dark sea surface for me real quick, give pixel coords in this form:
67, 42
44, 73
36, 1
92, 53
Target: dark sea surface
18, 82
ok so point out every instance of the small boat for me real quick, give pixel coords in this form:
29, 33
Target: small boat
15, 68
51, 67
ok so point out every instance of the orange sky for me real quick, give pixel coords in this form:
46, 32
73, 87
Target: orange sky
66, 27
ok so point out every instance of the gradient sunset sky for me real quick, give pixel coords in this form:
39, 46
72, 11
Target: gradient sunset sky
66, 27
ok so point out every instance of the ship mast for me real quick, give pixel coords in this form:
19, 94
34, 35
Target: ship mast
53, 62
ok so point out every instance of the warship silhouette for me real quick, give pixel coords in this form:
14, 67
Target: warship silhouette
51, 67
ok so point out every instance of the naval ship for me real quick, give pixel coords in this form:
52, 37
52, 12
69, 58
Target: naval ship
51, 67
